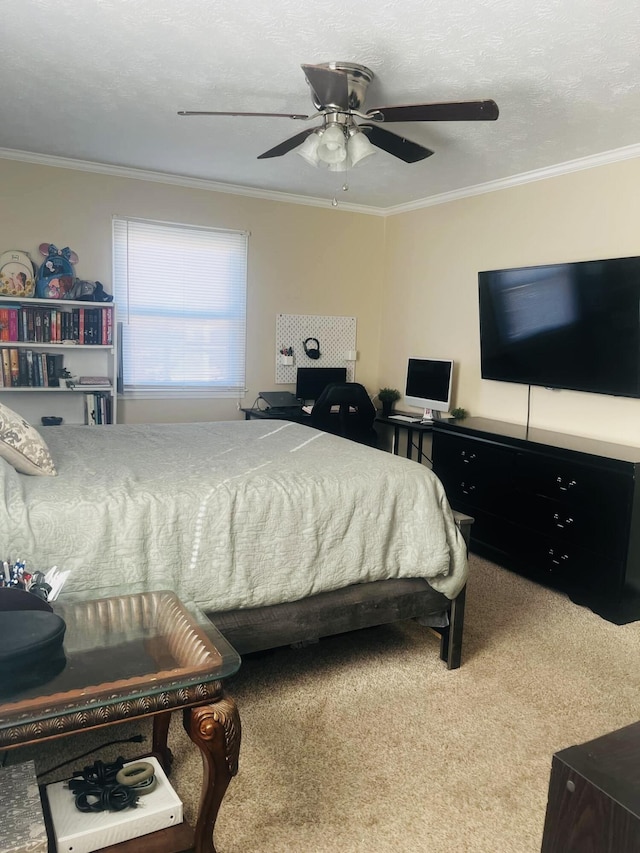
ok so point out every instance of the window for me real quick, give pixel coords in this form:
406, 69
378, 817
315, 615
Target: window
181, 297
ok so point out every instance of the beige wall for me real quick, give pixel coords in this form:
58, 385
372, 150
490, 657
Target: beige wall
430, 302
409, 279
302, 259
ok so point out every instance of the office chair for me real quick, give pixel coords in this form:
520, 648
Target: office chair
355, 416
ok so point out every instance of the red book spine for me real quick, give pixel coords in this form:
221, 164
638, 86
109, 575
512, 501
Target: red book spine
13, 324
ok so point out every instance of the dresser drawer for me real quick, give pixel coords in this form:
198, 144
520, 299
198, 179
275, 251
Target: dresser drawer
575, 484
475, 473
571, 567
592, 527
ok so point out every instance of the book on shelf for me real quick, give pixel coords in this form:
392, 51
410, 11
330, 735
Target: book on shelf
42, 356
39, 324
13, 324
14, 361
23, 378
4, 324
92, 409
55, 365
30, 376
25, 368
94, 380
97, 409
89, 410
6, 368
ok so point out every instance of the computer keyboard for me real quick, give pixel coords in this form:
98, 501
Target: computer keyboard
406, 418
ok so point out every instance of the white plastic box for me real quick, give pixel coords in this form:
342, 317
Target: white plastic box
82, 832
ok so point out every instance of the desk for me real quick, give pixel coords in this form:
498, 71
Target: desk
303, 418
134, 656
297, 416
410, 429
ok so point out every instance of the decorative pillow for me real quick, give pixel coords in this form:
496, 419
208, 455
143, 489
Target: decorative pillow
23, 446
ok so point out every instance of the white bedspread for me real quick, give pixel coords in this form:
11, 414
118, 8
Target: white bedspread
229, 514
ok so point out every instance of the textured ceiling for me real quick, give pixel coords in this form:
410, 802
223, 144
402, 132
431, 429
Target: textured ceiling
102, 80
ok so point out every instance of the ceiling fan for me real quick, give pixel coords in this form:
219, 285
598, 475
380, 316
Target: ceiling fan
338, 91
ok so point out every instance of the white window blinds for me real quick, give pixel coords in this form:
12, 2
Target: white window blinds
181, 296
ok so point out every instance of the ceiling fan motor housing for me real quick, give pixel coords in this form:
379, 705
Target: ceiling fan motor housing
358, 78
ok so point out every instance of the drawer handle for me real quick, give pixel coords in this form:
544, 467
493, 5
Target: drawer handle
562, 524
557, 560
565, 487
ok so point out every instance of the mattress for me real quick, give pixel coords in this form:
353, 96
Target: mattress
235, 514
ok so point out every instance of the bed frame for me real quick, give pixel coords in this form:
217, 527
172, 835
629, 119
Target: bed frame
359, 606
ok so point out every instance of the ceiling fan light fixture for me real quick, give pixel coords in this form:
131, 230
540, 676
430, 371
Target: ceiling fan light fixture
309, 148
359, 147
333, 145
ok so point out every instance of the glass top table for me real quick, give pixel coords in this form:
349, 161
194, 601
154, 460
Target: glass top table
129, 656
119, 649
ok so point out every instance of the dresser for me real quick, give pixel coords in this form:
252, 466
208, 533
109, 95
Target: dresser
562, 510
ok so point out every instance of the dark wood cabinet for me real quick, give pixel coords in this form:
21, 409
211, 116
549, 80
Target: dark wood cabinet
594, 796
560, 509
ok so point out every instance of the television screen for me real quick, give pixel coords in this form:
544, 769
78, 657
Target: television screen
573, 326
311, 381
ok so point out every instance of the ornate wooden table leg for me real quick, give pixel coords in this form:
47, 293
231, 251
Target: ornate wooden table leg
215, 729
160, 736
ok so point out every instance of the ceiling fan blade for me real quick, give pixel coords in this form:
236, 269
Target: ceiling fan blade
287, 145
460, 111
267, 115
400, 147
330, 87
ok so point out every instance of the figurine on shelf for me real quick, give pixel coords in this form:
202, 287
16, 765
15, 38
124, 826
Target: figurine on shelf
64, 375
55, 276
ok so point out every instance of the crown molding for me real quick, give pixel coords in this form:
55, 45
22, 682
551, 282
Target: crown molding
629, 152
181, 181
617, 155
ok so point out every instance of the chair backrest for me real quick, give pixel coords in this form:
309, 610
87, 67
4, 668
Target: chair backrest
355, 412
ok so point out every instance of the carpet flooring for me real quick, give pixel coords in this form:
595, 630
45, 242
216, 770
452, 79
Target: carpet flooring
366, 742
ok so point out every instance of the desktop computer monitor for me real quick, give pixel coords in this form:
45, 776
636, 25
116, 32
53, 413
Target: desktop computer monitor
311, 381
429, 385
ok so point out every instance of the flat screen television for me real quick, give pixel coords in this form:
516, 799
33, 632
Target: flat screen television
429, 385
574, 326
311, 381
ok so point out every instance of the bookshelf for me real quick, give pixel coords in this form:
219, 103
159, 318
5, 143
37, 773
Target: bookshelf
39, 338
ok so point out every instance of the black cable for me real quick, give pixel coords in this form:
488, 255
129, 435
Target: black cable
133, 739
112, 798
96, 788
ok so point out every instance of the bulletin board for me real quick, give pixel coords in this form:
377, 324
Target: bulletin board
336, 336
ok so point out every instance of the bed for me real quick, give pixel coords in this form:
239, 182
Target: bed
281, 533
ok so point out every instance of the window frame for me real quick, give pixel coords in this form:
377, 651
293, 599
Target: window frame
236, 386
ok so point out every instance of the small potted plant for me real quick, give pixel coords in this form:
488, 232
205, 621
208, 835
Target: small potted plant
388, 397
